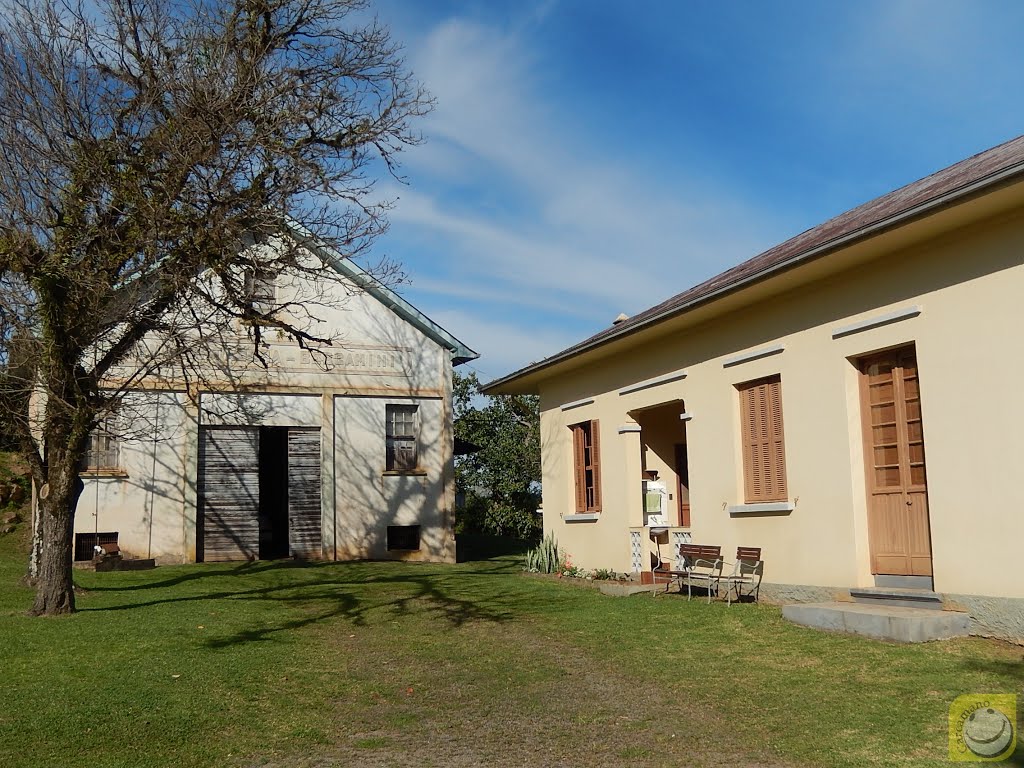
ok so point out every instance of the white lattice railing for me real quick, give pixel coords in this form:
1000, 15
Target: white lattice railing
636, 550
678, 538
640, 548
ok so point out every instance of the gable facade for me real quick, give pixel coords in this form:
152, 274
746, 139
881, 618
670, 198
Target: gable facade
297, 458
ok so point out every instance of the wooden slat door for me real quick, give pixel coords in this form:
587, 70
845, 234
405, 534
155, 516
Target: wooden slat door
898, 527
229, 493
304, 503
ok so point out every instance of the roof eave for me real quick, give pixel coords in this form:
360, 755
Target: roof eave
929, 207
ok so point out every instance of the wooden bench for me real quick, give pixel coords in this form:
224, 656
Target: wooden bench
702, 566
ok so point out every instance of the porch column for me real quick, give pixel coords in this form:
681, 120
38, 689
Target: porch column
629, 435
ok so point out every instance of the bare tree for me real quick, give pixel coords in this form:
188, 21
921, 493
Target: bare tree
145, 147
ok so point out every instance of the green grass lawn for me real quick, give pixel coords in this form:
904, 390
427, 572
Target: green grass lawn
380, 664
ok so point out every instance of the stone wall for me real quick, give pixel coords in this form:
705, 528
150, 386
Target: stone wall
998, 617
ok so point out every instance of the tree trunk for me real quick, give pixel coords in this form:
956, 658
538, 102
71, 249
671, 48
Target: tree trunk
37, 540
55, 590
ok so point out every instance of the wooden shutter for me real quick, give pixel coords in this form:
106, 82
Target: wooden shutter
764, 452
595, 463
229, 493
304, 504
586, 459
579, 467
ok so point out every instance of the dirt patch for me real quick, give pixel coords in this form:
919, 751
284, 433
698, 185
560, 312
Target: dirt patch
521, 699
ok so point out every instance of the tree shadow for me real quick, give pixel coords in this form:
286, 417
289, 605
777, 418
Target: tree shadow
471, 548
322, 592
487, 552
216, 570
1012, 669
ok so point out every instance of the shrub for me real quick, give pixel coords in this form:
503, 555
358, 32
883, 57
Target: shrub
496, 518
545, 557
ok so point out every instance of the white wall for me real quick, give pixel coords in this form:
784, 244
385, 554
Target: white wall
260, 410
368, 498
145, 504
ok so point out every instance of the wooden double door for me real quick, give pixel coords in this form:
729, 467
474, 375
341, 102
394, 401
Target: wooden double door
898, 527
259, 493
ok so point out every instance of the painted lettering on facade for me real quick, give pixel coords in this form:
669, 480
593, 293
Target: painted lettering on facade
338, 360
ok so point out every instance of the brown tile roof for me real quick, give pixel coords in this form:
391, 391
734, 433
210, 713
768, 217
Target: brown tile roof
977, 172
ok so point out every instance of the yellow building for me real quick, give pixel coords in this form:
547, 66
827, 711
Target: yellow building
849, 401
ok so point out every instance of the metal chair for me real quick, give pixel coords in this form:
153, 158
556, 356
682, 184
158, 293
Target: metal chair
702, 565
746, 574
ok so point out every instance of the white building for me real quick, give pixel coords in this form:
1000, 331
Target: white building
339, 457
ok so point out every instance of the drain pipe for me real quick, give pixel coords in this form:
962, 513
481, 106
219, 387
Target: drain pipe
152, 476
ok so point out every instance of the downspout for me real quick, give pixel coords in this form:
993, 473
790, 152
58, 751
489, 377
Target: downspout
152, 476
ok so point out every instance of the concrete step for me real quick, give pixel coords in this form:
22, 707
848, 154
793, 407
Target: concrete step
887, 581
907, 598
882, 622
617, 589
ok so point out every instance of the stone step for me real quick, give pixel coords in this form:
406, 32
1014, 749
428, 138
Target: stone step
617, 589
888, 581
882, 622
907, 598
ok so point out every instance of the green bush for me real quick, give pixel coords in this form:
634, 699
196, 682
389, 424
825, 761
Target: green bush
496, 518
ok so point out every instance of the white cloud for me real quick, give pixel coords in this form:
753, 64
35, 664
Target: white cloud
508, 346
526, 228
543, 260
513, 199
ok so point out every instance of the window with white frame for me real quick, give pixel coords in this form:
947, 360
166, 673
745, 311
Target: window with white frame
260, 290
402, 438
103, 452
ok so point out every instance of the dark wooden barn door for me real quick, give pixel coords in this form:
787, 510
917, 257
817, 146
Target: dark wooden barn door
229, 493
304, 503
898, 526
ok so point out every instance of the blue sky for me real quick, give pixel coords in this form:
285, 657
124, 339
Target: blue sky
587, 158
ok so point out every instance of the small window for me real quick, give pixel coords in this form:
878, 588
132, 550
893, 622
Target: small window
86, 543
586, 447
402, 438
261, 290
764, 450
103, 453
404, 537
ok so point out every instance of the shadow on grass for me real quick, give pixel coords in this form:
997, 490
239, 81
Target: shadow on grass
427, 598
471, 547
1012, 668
323, 591
200, 571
